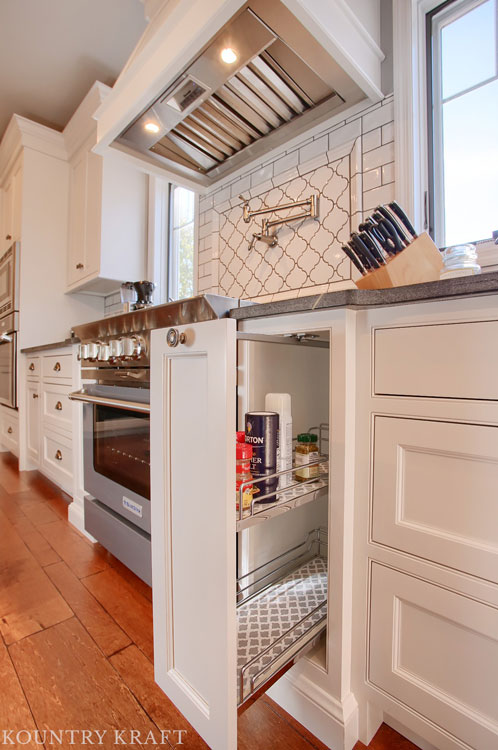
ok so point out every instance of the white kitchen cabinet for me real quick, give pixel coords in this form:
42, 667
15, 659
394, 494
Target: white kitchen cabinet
107, 222
51, 446
33, 410
11, 207
9, 429
426, 537
196, 572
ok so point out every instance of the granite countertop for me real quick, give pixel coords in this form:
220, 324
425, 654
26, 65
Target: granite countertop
463, 286
55, 345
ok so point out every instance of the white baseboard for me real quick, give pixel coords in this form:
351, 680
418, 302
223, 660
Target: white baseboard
335, 723
76, 517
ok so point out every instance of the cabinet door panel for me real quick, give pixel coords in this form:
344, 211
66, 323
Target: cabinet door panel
33, 426
437, 652
435, 492
77, 213
193, 525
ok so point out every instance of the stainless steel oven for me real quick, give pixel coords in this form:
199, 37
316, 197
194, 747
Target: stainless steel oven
115, 366
9, 324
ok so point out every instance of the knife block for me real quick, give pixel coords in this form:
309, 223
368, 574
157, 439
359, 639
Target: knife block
420, 261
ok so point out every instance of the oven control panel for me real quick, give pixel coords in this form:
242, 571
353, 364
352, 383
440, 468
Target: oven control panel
113, 351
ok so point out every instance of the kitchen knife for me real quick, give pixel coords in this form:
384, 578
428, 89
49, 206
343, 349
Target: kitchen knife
388, 231
404, 218
363, 251
369, 228
382, 236
398, 227
374, 247
352, 257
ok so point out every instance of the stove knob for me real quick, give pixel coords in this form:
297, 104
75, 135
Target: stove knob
93, 350
104, 353
116, 347
83, 351
132, 348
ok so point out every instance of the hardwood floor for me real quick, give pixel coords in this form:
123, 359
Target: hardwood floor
76, 644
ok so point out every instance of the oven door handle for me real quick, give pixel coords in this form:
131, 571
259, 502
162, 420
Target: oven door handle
104, 401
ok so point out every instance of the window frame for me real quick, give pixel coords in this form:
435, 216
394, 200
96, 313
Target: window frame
411, 107
171, 287
159, 236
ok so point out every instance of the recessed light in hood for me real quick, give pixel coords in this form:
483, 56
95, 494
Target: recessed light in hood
219, 114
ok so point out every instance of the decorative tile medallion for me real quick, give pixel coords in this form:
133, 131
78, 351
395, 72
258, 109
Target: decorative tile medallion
308, 252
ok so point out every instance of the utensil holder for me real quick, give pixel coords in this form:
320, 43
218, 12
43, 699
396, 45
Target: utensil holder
420, 261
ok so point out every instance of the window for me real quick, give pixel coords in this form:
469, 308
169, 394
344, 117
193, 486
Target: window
181, 243
463, 120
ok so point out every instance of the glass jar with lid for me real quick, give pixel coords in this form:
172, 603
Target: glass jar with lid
306, 453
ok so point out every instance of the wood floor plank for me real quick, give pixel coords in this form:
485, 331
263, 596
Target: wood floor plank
38, 512
305, 733
38, 546
57, 505
131, 610
78, 553
138, 673
261, 727
29, 601
15, 714
70, 685
140, 586
388, 739
105, 632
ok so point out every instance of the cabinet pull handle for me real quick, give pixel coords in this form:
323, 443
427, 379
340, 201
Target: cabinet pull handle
35, 395
58, 455
10, 430
58, 406
57, 367
8, 236
32, 366
79, 266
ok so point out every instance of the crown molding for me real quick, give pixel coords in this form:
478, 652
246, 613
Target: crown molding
82, 124
23, 133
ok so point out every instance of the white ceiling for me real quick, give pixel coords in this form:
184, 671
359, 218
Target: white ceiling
52, 51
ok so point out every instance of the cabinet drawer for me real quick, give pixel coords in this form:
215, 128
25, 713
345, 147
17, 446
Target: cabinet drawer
454, 360
436, 651
435, 491
57, 458
33, 368
57, 408
58, 367
10, 432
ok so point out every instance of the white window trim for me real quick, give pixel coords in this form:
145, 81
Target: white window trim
410, 114
158, 238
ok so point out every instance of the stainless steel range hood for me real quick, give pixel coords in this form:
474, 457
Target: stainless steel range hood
217, 116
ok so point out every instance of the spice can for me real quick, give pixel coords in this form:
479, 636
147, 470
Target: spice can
262, 432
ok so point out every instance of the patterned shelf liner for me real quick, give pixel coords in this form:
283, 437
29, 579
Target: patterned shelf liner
285, 606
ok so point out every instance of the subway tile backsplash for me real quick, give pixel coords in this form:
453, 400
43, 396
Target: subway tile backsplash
350, 165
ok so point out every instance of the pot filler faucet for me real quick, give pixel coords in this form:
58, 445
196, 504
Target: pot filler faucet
311, 212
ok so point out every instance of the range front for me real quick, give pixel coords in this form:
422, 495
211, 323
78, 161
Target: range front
115, 365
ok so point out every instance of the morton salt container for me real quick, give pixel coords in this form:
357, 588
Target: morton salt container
262, 433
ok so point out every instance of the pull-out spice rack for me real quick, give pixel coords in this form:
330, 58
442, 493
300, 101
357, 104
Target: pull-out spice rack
293, 495
281, 612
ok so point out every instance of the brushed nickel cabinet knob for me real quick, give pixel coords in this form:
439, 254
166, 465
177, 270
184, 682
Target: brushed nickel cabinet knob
174, 337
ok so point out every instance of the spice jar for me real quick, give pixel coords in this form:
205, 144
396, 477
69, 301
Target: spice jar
306, 453
243, 455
